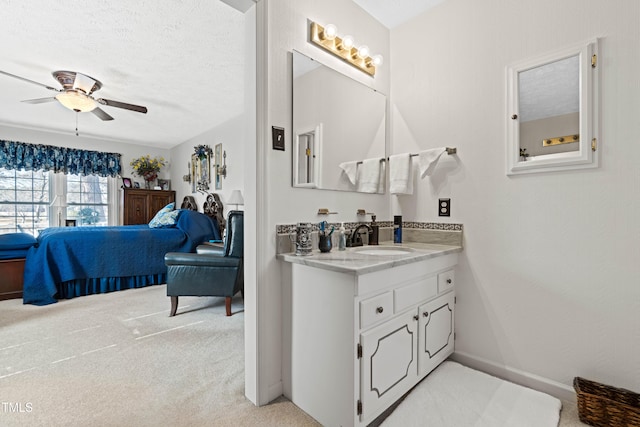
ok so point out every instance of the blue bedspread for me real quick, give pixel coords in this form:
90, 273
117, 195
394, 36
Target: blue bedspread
67, 254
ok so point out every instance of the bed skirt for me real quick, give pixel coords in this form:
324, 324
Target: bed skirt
82, 287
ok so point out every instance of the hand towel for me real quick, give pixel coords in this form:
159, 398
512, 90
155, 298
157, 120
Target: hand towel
428, 159
400, 174
350, 169
368, 178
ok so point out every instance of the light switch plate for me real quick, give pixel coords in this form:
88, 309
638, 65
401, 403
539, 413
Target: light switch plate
444, 207
277, 134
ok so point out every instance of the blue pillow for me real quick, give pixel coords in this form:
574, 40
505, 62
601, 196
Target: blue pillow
166, 217
11, 241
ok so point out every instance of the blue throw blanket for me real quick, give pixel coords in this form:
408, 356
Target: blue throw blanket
70, 253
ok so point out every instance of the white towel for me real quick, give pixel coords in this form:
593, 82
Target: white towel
368, 178
400, 174
428, 159
350, 169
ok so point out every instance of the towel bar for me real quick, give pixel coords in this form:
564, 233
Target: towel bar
450, 150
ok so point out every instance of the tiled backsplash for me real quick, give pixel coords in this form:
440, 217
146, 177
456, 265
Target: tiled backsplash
412, 231
291, 228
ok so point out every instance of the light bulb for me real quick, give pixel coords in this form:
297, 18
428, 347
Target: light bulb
363, 52
347, 42
330, 32
377, 60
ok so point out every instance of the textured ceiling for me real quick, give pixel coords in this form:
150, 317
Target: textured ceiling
550, 90
182, 59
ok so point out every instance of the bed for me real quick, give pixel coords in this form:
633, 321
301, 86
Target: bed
68, 262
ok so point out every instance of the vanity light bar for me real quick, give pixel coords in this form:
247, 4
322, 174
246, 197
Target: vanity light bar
343, 48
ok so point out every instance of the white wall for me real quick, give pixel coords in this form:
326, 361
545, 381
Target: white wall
232, 137
548, 283
282, 26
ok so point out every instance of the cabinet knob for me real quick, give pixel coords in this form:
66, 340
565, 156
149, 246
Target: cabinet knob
425, 314
379, 309
448, 280
415, 317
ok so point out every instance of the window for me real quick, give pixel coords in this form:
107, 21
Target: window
88, 199
24, 201
31, 201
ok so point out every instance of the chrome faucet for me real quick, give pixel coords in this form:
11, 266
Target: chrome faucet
356, 238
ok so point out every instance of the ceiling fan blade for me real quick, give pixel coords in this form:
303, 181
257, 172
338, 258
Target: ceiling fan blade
29, 81
110, 103
84, 83
39, 100
101, 114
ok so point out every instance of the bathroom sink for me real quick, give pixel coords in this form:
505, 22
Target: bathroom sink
383, 250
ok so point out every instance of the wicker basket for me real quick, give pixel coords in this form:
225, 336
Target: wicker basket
605, 406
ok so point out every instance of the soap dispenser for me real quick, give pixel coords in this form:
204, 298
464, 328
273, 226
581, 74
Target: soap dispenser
342, 238
375, 231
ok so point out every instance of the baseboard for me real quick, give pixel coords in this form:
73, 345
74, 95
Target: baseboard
274, 392
517, 376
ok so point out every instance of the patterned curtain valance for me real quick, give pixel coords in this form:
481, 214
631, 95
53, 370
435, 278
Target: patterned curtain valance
20, 155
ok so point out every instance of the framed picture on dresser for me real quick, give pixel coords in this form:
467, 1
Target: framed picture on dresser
164, 184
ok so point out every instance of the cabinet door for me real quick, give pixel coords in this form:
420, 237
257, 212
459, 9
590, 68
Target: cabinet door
135, 209
388, 365
158, 201
435, 332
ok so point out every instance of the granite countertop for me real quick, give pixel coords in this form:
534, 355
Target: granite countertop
352, 261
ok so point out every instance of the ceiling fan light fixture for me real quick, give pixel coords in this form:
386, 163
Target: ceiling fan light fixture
76, 101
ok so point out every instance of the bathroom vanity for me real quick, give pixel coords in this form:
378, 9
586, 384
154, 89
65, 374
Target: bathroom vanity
363, 326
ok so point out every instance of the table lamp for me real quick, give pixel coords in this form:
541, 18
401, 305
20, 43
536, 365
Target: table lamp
236, 198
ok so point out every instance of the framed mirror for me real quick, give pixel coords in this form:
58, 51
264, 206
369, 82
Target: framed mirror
335, 120
201, 168
552, 111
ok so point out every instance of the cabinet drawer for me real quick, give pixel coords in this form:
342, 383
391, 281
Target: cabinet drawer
375, 309
410, 295
445, 281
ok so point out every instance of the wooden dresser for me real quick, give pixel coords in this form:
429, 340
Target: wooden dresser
139, 206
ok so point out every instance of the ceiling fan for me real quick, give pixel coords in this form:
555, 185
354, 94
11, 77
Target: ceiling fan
76, 94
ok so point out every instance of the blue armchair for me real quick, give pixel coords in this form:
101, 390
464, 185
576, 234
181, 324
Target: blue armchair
212, 271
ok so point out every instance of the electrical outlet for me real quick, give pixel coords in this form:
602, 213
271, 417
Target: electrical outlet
444, 207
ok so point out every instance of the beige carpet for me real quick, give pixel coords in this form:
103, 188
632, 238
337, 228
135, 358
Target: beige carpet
118, 360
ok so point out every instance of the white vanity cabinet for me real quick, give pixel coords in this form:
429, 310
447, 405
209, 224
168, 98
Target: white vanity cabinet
359, 342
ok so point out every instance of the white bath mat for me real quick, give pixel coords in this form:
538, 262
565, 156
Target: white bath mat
456, 396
